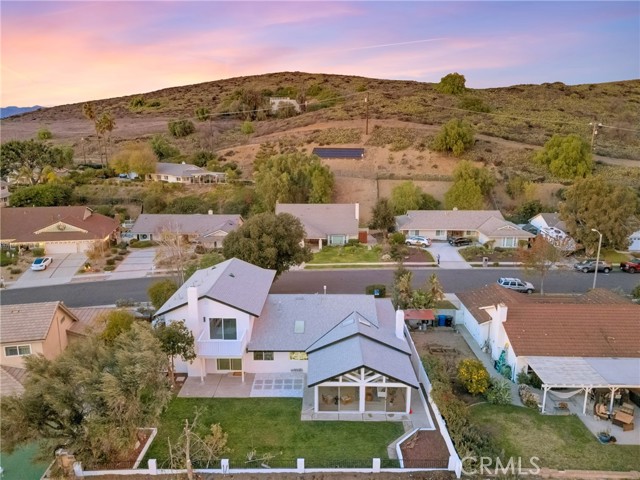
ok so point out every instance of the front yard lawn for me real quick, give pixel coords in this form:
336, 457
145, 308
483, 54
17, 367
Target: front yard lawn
561, 442
347, 254
273, 425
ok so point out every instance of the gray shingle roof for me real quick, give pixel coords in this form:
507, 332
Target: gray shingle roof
446, 219
179, 169
355, 352
233, 282
496, 227
194, 224
323, 219
28, 321
320, 313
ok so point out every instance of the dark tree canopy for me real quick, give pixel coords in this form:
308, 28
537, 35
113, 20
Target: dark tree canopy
456, 136
382, 216
161, 291
46, 195
29, 160
409, 196
566, 156
268, 241
292, 178
593, 202
453, 84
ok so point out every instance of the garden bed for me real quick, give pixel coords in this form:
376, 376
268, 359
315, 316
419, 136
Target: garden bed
425, 449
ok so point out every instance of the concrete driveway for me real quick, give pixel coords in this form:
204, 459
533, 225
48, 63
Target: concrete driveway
449, 256
62, 269
138, 263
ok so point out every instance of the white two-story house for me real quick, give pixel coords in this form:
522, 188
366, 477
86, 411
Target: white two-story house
350, 349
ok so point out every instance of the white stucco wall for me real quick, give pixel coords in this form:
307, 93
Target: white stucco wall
280, 364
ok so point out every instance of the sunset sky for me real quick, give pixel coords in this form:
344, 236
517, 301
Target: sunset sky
55, 52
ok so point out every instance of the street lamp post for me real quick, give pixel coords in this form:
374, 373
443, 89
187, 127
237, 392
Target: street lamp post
595, 272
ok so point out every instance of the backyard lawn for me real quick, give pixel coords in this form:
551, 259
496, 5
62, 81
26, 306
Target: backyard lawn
560, 442
273, 426
347, 254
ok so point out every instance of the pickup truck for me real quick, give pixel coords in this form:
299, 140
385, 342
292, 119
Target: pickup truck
631, 266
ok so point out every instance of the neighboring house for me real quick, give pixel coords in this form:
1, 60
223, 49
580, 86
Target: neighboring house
587, 341
482, 225
325, 223
209, 229
39, 328
352, 348
4, 194
185, 173
547, 220
56, 229
277, 102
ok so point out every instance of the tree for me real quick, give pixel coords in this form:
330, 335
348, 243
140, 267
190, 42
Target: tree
116, 322
176, 340
566, 156
465, 170
159, 292
292, 178
181, 128
382, 217
594, 203
188, 204
268, 241
408, 196
402, 294
456, 136
539, 258
163, 148
464, 195
527, 211
92, 398
135, 157
202, 114
452, 84
104, 126
28, 161
473, 376
47, 195
173, 250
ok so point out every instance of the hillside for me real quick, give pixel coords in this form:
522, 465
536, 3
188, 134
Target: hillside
403, 119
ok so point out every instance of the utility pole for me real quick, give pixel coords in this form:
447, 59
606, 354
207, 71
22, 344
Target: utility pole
366, 104
594, 132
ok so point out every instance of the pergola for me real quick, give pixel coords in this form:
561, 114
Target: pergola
585, 374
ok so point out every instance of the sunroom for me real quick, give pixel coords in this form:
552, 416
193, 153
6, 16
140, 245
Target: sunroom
360, 374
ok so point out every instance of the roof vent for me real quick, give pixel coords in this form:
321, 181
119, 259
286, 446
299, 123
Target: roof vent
232, 275
298, 327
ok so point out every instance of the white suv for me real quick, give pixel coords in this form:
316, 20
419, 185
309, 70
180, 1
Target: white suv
415, 240
516, 284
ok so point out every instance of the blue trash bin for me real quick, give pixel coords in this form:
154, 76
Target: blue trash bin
442, 319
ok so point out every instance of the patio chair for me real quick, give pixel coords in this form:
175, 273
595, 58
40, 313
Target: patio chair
327, 399
346, 399
601, 411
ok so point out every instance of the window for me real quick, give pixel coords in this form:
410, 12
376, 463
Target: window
229, 363
263, 355
17, 350
298, 356
439, 233
414, 233
223, 329
337, 239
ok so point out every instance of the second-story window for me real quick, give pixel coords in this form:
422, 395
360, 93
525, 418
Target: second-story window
223, 329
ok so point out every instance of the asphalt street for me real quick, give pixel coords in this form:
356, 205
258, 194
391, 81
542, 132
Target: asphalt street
107, 292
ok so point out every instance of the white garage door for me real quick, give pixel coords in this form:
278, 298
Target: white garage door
60, 247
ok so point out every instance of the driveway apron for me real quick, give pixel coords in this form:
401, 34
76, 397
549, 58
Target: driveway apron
449, 256
138, 263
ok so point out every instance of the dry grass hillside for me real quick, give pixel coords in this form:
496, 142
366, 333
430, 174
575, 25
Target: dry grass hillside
403, 118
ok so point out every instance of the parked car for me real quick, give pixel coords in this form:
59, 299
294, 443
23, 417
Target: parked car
415, 240
516, 284
631, 266
589, 265
41, 263
460, 241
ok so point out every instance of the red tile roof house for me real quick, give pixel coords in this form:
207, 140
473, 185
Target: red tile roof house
482, 225
325, 223
581, 342
56, 229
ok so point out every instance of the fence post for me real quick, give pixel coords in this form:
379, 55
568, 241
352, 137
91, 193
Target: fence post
153, 466
224, 465
300, 465
77, 470
376, 465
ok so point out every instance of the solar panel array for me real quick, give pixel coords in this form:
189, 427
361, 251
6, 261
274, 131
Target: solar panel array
354, 153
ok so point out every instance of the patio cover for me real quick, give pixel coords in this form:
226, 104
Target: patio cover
587, 372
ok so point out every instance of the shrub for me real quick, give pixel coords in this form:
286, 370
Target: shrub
455, 136
118, 258
37, 252
15, 270
499, 392
111, 261
122, 252
247, 128
181, 128
125, 302
474, 104
452, 84
141, 244
473, 376
44, 134
397, 238
635, 293
529, 398
372, 289
137, 102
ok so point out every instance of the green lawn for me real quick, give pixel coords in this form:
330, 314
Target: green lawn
273, 425
614, 257
561, 442
347, 254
